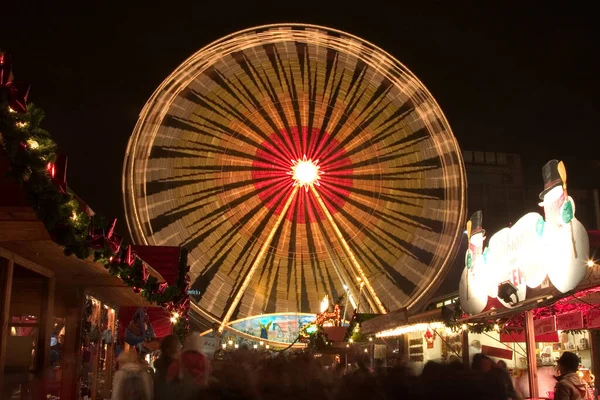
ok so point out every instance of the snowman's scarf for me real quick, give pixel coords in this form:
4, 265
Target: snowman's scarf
552, 210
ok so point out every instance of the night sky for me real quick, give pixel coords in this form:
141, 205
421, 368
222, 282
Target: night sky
517, 80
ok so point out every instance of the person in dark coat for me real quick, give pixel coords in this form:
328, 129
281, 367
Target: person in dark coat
170, 349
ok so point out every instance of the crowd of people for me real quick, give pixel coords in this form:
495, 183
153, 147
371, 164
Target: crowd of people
184, 373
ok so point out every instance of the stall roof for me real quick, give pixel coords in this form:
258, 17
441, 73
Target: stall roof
47, 257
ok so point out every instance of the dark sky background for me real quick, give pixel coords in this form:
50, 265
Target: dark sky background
517, 79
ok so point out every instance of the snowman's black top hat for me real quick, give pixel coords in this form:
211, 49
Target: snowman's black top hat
551, 177
476, 223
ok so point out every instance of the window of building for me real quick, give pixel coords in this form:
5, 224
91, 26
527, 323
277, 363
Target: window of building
479, 157
490, 157
468, 156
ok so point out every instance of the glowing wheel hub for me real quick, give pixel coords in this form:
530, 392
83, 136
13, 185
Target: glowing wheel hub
305, 172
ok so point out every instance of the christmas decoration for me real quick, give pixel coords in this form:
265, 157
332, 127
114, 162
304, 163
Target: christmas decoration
429, 338
35, 164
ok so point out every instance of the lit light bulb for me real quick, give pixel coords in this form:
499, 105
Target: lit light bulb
223, 345
590, 263
173, 320
176, 315
10, 110
262, 343
230, 342
21, 124
366, 351
350, 340
464, 327
370, 339
32, 144
267, 347
255, 347
236, 345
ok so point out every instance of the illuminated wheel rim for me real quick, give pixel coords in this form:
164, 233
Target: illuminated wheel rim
210, 166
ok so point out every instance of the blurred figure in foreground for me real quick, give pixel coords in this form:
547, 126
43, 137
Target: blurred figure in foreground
170, 349
188, 376
131, 381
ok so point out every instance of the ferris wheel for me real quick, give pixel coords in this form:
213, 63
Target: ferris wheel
295, 161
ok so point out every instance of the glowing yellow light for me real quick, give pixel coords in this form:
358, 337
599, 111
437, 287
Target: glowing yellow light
366, 351
74, 216
351, 340
261, 343
230, 342
496, 327
21, 124
267, 347
305, 172
347, 345
32, 144
173, 320
356, 329
590, 263
325, 304
10, 110
223, 345
402, 330
236, 345
464, 327
580, 374
176, 315
370, 339
255, 346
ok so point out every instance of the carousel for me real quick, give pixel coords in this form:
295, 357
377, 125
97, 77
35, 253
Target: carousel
293, 162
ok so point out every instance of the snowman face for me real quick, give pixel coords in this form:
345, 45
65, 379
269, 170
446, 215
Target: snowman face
553, 195
477, 240
552, 202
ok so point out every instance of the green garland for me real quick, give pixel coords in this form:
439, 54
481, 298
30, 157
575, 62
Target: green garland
30, 150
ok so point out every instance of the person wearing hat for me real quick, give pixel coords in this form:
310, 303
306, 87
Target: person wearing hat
189, 375
569, 385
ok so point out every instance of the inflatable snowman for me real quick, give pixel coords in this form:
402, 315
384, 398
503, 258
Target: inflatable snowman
566, 243
473, 282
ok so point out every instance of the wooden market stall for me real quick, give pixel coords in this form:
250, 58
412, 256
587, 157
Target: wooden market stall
43, 297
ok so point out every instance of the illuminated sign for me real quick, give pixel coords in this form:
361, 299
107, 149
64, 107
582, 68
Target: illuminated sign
534, 248
569, 321
544, 325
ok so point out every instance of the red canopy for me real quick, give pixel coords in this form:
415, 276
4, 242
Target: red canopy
158, 317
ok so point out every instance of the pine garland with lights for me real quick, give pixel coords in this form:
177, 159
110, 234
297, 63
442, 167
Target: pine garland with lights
31, 153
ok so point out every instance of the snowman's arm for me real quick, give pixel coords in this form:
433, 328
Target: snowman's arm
567, 210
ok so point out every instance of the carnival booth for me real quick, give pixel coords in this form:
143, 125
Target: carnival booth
523, 296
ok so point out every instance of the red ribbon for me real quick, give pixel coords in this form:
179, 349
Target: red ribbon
99, 239
17, 91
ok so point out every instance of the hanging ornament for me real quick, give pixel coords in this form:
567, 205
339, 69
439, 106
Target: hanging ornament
429, 338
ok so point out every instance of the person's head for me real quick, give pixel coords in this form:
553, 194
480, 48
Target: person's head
501, 364
482, 363
170, 346
128, 357
193, 343
568, 362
